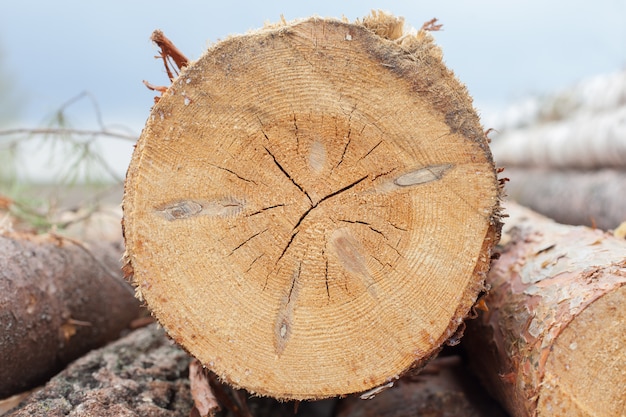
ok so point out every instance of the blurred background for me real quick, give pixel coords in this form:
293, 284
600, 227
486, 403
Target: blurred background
80, 65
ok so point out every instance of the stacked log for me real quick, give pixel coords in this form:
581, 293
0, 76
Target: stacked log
595, 198
566, 154
59, 298
552, 341
143, 374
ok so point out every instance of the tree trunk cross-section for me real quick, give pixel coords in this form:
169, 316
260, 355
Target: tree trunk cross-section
310, 209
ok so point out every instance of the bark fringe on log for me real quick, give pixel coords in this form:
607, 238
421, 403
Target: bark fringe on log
553, 340
591, 198
59, 298
311, 207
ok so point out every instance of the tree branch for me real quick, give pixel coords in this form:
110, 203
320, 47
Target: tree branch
66, 131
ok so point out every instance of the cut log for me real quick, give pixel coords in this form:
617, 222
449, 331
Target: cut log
59, 298
591, 198
553, 341
444, 388
310, 209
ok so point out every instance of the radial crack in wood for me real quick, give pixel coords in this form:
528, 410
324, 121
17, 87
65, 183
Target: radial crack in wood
310, 209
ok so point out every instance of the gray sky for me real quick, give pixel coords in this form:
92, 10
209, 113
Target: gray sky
502, 50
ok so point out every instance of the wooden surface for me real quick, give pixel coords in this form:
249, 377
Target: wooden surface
311, 207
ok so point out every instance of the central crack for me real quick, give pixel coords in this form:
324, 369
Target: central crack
294, 230
284, 171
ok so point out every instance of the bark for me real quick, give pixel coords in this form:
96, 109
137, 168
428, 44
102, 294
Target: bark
444, 388
143, 374
59, 298
591, 198
552, 341
203, 397
311, 207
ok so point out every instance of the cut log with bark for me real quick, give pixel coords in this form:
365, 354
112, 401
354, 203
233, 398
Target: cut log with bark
591, 198
552, 342
311, 207
59, 298
444, 388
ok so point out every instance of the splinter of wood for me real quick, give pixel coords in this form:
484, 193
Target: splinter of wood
432, 25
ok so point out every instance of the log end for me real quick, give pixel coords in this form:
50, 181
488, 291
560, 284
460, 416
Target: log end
311, 208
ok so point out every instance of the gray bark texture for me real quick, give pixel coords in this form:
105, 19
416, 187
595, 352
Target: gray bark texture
142, 374
145, 374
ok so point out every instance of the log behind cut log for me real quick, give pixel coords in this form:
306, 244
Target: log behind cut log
141, 374
553, 341
591, 198
59, 298
583, 142
444, 388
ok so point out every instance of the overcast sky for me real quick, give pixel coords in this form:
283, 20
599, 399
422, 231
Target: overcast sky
502, 50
